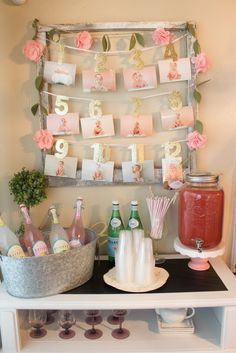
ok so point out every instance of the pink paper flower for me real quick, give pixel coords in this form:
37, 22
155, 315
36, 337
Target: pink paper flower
201, 63
161, 37
83, 40
44, 139
195, 140
33, 50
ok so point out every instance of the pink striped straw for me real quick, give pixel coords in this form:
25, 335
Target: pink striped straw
158, 207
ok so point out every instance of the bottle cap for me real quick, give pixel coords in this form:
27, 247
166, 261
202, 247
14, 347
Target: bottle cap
22, 205
134, 203
79, 198
115, 202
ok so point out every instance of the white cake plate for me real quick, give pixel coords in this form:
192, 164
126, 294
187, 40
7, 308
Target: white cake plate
199, 260
161, 276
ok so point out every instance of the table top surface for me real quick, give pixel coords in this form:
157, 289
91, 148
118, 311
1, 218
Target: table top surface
184, 287
181, 279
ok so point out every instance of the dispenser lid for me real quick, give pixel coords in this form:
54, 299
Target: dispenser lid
202, 177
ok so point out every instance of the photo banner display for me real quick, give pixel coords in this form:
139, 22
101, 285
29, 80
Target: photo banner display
76, 78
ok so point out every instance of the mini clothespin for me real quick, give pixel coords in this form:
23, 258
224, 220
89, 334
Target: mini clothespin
95, 110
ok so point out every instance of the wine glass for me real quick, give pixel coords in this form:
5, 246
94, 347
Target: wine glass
37, 318
93, 318
113, 319
120, 332
66, 319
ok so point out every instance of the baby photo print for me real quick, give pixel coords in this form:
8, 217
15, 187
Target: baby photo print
97, 127
140, 126
67, 124
98, 81
170, 70
177, 119
63, 74
65, 167
140, 79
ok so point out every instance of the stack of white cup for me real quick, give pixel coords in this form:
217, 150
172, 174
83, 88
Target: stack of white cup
134, 260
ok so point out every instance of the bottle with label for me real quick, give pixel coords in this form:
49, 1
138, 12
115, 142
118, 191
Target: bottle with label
58, 237
76, 232
33, 237
9, 243
134, 219
114, 228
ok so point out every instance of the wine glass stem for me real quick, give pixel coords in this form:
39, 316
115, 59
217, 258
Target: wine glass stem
120, 325
38, 331
93, 322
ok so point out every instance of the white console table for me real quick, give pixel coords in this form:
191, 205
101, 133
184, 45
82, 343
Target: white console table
214, 321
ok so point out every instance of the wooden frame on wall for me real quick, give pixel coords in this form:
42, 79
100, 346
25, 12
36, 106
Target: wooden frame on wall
117, 28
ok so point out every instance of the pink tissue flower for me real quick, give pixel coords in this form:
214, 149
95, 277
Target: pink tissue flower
33, 50
161, 36
44, 139
195, 140
201, 62
83, 40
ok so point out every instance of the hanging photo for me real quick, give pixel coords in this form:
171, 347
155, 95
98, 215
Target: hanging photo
92, 170
170, 71
140, 79
172, 173
137, 172
65, 167
177, 119
140, 126
98, 81
63, 74
97, 127
67, 124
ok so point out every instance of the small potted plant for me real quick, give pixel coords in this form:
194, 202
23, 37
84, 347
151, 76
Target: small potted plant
28, 187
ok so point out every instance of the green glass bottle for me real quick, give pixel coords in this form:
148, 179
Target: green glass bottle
134, 221
114, 228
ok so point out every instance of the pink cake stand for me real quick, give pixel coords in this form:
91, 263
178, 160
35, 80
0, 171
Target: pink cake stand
199, 260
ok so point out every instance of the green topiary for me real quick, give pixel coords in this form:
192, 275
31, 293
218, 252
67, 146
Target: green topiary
28, 187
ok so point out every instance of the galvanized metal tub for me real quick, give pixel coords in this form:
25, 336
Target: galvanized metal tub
34, 277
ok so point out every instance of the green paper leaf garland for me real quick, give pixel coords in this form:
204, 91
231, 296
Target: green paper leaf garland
203, 83
39, 83
191, 29
199, 126
197, 96
106, 44
132, 42
34, 109
139, 39
35, 26
196, 47
136, 37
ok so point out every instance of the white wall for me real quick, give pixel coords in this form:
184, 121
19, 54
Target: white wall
216, 31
